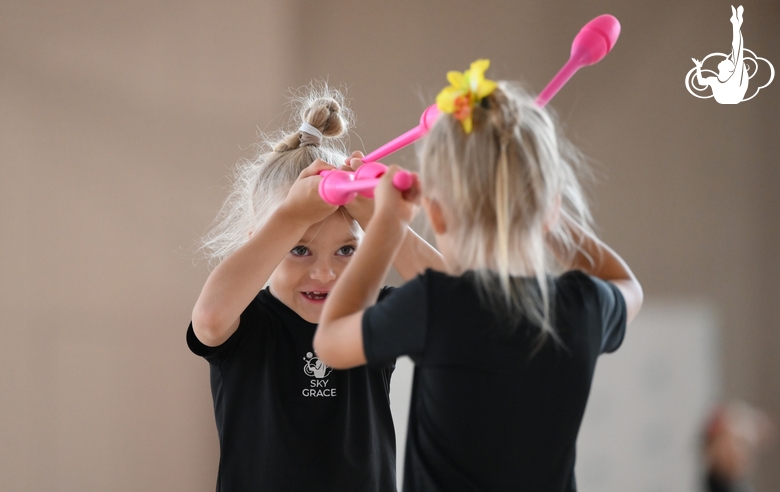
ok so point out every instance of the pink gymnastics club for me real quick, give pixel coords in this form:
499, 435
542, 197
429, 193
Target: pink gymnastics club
341, 187
591, 44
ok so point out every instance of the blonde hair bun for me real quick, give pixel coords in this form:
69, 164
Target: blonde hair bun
323, 113
260, 184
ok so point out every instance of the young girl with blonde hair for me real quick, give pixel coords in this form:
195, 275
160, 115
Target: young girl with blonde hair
285, 420
505, 339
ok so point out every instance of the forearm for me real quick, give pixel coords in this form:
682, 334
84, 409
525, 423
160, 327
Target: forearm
591, 255
594, 257
361, 280
338, 340
415, 256
699, 78
238, 278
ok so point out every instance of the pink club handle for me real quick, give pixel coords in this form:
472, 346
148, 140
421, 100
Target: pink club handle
367, 171
341, 187
427, 120
591, 44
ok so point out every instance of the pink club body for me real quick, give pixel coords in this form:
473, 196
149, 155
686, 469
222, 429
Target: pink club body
591, 44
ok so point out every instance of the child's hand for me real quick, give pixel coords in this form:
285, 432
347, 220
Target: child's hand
360, 208
303, 201
392, 203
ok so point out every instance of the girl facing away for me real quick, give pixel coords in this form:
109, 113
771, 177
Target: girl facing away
505, 338
285, 420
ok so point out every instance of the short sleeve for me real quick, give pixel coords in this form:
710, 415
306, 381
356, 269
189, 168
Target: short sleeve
613, 314
251, 317
384, 292
196, 346
396, 325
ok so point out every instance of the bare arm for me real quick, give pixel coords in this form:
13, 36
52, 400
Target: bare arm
736, 39
415, 254
701, 80
597, 259
339, 338
233, 284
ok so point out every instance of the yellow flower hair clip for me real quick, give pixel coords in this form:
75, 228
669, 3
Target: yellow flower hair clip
467, 89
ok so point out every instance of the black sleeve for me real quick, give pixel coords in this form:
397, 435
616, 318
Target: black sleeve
251, 317
613, 314
717, 484
384, 292
396, 325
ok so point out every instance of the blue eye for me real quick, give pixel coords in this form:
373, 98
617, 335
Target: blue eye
346, 251
299, 251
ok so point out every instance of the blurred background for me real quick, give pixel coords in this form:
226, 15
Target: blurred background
120, 121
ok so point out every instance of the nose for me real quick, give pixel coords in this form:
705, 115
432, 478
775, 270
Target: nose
322, 271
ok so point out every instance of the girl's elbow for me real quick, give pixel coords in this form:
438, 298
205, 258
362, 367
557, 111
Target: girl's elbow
634, 305
209, 327
328, 350
322, 347
317, 343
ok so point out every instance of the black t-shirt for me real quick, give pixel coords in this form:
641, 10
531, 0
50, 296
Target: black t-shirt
287, 422
488, 413
714, 483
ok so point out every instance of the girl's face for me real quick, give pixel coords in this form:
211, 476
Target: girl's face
306, 275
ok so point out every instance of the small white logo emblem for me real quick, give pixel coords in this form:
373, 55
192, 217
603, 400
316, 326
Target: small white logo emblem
314, 368
319, 386
730, 84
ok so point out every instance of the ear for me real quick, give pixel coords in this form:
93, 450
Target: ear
435, 215
553, 215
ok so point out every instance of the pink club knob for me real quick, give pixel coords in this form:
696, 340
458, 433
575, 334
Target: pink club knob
591, 44
595, 40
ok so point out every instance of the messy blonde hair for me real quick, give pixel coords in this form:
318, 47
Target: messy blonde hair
260, 184
501, 185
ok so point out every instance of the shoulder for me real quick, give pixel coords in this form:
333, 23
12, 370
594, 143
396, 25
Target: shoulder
253, 322
434, 282
417, 285
262, 314
396, 324
577, 283
597, 300
424, 287
385, 291
392, 298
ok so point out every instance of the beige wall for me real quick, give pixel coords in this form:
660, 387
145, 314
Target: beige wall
118, 125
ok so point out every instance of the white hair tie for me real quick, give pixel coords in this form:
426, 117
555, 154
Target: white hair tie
307, 128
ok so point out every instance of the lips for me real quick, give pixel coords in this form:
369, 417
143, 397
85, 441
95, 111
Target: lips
315, 296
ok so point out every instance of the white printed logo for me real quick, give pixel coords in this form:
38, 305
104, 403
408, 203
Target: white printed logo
314, 368
730, 84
